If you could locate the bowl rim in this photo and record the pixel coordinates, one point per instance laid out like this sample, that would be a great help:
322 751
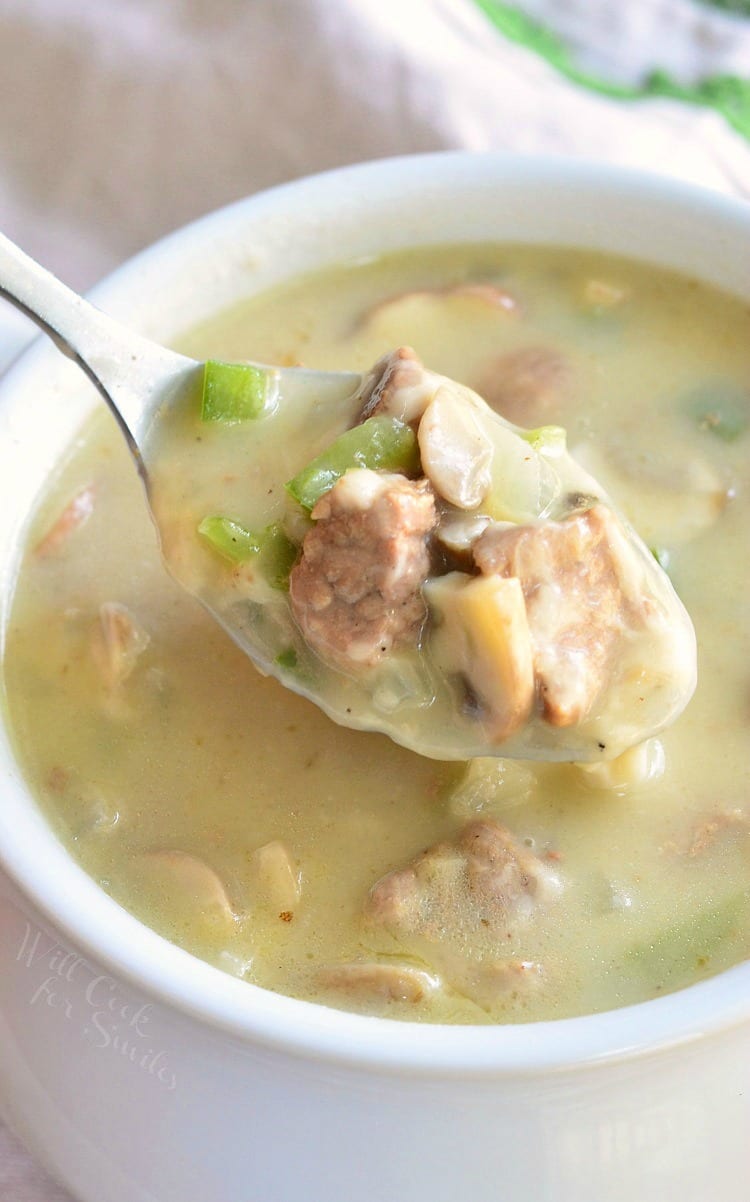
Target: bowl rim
65 896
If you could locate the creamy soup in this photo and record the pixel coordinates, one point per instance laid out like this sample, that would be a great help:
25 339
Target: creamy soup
326 863
433 572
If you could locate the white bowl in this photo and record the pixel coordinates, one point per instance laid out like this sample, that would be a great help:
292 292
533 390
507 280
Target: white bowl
140 1074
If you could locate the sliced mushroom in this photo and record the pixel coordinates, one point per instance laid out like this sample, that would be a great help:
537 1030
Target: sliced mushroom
489 981
373 981
275 880
669 501
427 308
456 452
477 314
459 531
482 633
118 640
193 880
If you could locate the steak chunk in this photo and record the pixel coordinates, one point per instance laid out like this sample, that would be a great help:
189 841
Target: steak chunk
398 386
484 882
462 905
356 591
528 386
582 582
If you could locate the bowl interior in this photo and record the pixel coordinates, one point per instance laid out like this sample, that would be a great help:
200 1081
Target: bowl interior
343 215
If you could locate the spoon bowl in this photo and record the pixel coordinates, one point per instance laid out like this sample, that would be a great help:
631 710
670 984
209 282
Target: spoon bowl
137 378
427 702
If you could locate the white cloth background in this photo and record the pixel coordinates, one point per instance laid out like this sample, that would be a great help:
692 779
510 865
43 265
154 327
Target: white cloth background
121 119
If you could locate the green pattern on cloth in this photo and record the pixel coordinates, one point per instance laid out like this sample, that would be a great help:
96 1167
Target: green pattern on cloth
741 7
727 94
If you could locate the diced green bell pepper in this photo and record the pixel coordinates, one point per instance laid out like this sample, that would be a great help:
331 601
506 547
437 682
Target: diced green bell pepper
287 659
545 438
379 443
275 553
686 943
229 538
233 392
722 409
278 556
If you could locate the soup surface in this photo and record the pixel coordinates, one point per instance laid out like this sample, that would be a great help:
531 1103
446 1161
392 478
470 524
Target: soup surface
434 572
239 821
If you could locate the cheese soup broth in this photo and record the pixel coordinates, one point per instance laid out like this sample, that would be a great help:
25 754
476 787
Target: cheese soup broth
238 821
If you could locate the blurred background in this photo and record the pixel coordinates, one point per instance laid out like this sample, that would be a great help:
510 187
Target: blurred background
122 119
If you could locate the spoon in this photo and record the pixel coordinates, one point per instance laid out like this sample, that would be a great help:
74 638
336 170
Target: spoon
426 702
137 378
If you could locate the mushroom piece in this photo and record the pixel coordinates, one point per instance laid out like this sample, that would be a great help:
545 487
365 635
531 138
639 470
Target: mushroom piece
601 295
117 642
422 315
275 881
489 982
669 500
481 633
373 981
193 880
456 452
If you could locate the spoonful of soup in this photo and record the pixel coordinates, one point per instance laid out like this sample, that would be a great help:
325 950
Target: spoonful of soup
390 547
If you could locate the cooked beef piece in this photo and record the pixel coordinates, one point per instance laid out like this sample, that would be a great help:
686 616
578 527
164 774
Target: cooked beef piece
462 904
483 881
398 386
527 386
489 980
356 590
582 582
721 826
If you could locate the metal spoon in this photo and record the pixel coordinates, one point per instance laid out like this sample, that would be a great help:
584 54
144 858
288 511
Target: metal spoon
137 378
407 696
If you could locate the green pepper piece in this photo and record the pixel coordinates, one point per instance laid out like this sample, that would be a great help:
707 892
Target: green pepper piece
687 943
380 442
722 409
545 438
229 538
233 392
663 557
287 659
275 553
278 555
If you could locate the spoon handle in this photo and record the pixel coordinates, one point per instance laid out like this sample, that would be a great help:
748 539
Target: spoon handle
133 374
